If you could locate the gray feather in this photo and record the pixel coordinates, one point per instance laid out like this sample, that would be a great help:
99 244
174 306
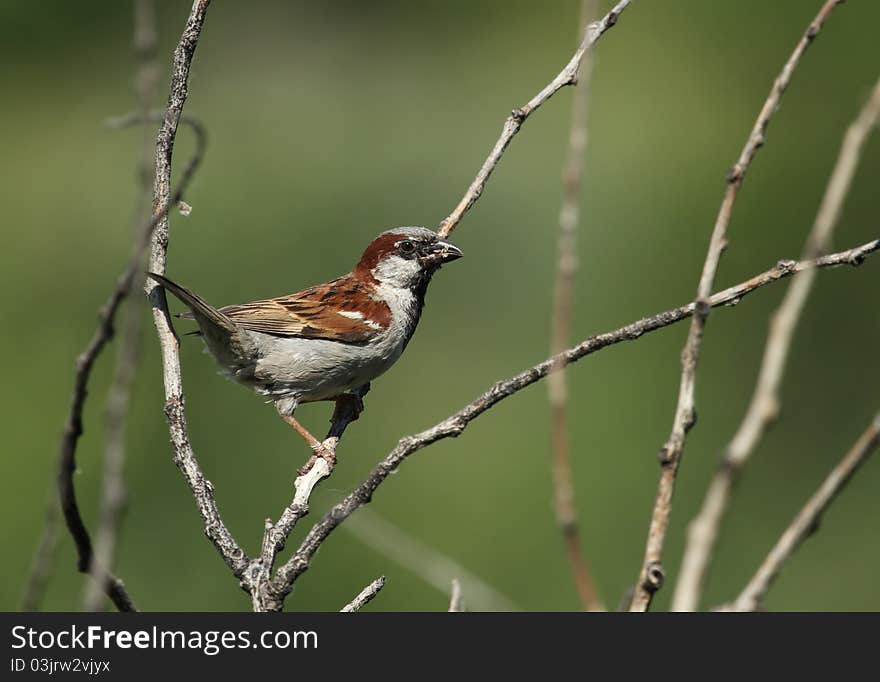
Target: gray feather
204 314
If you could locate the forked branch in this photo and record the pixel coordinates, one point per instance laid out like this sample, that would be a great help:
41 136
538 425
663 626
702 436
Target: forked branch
454 425
651 575
184 457
73 429
765 404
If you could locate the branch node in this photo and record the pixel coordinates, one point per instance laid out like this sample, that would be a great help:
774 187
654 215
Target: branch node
785 265
568 527
299 563
81 363
728 467
735 174
610 19
690 419
654 577
663 455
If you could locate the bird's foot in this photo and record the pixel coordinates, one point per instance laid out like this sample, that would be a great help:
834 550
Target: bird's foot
320 451
325 450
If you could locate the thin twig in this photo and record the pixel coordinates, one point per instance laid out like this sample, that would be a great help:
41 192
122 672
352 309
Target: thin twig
254 575
275 535
41 564
807 520
428 563
365 597
264 596
184 457
456 599
454 425
764 407
557 389
568 76
104 333
85 361
113 492
651 574
73 428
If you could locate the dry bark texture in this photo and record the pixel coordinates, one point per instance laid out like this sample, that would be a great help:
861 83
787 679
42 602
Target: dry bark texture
269 586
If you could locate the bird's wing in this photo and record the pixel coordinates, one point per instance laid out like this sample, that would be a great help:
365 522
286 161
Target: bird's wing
340 310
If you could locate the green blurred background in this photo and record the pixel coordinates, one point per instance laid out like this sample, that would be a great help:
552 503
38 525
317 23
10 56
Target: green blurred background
330 122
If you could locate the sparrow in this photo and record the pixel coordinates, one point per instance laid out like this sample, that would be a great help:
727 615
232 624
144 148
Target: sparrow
329 341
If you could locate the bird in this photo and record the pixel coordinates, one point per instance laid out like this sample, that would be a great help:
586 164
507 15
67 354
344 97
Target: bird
329 341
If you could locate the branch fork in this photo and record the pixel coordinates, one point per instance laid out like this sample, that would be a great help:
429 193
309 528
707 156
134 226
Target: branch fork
685 411
255 575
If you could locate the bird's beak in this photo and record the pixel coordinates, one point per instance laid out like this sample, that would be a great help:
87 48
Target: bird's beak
441 252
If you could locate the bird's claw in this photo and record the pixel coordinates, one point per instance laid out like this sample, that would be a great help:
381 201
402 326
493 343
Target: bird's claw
322 452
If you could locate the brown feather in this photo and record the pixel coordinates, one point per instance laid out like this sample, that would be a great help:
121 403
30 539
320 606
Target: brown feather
378 249
315 313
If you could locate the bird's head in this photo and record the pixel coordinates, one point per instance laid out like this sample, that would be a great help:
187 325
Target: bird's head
405 257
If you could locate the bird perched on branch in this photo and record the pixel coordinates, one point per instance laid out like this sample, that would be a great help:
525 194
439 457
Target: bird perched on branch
329 341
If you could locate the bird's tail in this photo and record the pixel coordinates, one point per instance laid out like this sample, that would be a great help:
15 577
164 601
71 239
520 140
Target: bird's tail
202 312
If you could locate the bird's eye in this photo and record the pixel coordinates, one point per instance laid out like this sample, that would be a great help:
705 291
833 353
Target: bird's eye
407 247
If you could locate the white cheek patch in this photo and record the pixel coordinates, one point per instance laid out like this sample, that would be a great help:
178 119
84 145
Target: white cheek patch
397 272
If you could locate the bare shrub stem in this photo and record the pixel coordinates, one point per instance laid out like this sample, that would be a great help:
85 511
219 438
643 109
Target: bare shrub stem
765 404
651 575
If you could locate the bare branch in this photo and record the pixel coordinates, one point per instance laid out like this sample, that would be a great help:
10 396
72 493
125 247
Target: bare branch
113 492
184 457
807 520
41 564
431 565
456 600
651 574
557 389
73 428
254 574
764 407
275 535
568 76
264 596
103 334
365 597
454 425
